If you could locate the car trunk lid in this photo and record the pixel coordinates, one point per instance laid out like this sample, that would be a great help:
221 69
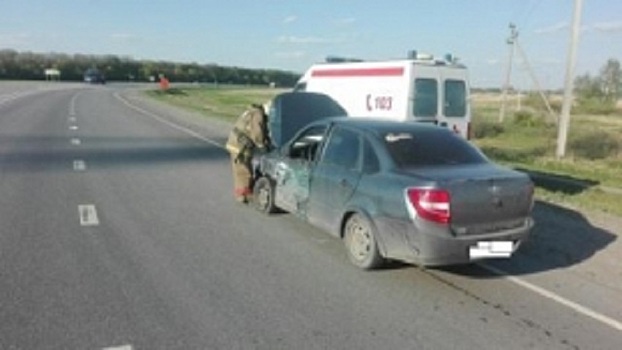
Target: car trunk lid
484 198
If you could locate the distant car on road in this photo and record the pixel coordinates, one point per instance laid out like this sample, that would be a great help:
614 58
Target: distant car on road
395 190
94 76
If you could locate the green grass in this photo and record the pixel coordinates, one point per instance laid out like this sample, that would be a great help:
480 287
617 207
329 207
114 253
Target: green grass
526 142
591 199
223 102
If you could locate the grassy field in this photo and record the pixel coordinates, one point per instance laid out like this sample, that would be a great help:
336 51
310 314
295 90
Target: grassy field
223 102
525 140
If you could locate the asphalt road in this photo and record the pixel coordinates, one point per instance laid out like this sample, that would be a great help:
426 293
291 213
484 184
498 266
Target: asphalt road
118 231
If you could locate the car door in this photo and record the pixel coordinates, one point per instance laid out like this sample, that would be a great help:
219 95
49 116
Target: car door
291 173
334 177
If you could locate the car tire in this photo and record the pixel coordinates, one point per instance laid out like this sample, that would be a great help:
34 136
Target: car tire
263 196
360 241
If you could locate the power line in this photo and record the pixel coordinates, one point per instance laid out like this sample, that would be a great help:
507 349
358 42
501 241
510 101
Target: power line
535 81
527 14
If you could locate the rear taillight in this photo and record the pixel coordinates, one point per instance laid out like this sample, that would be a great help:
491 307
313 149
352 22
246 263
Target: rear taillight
430 204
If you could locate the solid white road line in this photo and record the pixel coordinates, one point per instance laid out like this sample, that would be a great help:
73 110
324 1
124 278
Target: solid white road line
164 121
88 215
79 165
123 347
615 324
76 141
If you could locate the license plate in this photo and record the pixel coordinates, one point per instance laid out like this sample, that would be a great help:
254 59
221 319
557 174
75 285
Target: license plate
491 249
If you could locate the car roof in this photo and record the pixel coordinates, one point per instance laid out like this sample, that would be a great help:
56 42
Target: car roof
383 126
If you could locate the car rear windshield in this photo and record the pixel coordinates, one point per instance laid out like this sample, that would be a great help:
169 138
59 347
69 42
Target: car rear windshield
433 147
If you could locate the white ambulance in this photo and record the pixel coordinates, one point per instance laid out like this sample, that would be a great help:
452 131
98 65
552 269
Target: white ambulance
420 88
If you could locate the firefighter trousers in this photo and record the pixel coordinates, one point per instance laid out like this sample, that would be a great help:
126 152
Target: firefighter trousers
242 179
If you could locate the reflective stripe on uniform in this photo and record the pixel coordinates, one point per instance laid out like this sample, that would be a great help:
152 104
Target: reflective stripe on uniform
232 149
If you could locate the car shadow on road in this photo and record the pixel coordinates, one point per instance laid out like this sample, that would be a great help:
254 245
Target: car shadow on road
560 238
39 154
559 183
164 152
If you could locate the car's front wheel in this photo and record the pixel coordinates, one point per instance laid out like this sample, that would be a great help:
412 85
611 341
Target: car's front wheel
263 196
361 244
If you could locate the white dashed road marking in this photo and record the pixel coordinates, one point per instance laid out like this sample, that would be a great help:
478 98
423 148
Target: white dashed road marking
88 215
76 141
72 104
72 119
73 127
79 165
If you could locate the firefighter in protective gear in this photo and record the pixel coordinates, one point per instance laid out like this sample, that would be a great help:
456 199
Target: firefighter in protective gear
249 135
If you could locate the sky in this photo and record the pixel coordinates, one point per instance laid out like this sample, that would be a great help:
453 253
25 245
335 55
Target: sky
294 34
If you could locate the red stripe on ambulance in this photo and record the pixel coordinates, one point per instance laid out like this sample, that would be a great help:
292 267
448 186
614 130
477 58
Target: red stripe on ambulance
359 72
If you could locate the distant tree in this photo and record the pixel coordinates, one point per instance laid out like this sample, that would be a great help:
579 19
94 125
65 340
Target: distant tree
599 94
7 63
209 72
588 87
28 65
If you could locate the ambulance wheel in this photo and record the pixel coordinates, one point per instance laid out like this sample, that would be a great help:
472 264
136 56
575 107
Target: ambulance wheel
361 245
263 196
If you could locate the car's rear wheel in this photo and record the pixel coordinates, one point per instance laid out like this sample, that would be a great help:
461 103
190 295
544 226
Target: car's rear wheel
263 196
361 244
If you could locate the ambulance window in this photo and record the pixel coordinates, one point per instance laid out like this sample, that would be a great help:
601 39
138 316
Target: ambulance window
426 98
455 98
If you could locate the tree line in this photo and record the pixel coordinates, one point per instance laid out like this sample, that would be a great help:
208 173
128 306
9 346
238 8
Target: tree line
16 65
600 93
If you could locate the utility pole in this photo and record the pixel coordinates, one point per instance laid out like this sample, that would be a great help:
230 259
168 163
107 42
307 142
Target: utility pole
568 86
536 82
510 41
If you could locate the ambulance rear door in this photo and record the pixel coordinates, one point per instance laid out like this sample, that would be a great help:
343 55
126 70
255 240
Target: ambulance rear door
455 110
424 93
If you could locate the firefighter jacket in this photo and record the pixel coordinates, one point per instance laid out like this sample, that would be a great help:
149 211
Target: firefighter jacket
248 134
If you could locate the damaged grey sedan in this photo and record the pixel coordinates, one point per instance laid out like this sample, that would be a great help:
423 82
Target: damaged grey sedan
411 192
